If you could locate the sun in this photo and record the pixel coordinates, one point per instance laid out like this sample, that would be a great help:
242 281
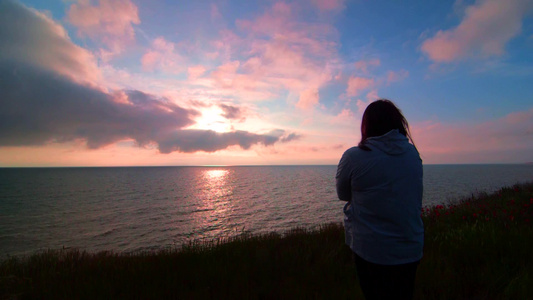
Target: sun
211 119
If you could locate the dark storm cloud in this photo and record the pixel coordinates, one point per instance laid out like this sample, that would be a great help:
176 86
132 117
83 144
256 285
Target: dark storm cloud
48 94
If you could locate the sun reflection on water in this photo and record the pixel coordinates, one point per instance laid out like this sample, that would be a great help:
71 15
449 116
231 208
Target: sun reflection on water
215 175
215 202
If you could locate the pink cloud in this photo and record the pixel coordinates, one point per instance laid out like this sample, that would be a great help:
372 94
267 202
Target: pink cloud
358 84
485 142
363 65
397 76
361 105
225 74
273 21
161 56
227 79
308 99
346 116
485 29
278 53
372 95
109 22
196 71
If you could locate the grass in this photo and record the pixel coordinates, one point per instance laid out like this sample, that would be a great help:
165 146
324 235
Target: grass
478 248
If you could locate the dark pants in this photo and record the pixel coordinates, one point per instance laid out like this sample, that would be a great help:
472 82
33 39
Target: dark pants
385 281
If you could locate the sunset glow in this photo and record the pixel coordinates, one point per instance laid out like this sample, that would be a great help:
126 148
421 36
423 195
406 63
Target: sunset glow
133 82
211 119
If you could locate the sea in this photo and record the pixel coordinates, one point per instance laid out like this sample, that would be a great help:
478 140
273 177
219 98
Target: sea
132 209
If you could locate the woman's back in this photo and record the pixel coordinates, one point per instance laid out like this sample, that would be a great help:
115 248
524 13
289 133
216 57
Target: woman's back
381 180
382 219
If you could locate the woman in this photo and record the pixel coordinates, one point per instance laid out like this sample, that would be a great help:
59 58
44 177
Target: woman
381 179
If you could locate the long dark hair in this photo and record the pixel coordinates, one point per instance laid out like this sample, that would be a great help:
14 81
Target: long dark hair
380 117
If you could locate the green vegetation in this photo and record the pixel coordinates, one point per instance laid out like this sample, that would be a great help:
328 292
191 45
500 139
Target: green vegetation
479 248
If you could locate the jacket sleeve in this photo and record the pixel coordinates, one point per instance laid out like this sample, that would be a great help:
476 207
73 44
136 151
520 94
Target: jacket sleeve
343 179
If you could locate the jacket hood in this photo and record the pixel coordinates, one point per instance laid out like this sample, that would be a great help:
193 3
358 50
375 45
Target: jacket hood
392 142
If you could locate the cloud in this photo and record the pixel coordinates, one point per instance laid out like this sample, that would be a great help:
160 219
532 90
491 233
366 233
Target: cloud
109 22
195 71
38 107
232 112
361 105
358 84
44 101
372 95
290 137
346 116
277 53
397 76
363 65
484 142
194 140
485 29
308 99
225 74
31 37
162 56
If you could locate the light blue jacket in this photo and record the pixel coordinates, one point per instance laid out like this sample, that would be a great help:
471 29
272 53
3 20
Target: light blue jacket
383 188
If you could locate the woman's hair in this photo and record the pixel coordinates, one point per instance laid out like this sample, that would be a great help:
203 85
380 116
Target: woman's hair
380 117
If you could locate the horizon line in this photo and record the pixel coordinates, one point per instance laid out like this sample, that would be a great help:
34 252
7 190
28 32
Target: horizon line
230 166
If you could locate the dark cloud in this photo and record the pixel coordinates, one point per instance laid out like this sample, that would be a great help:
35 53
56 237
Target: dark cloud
211 141
285 137
290 137
38 106
47 95
30 37
231 112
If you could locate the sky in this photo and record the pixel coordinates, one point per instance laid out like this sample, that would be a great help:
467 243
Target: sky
161 82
